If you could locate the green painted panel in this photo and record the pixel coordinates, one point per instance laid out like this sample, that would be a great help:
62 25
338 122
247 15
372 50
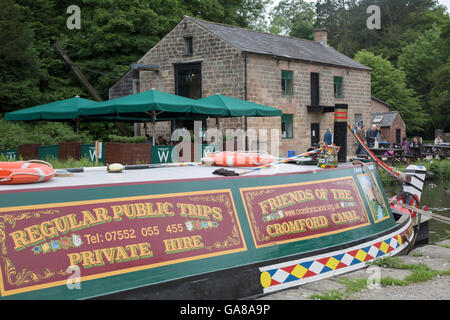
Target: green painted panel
252 255
10 155
48 152
161 154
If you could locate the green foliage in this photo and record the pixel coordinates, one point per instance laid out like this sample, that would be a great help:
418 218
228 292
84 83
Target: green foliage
389 84
70 163
420 58
122 139
427 68
293 18
420 272
414 36
13 134
439 96
441 169
113 35
329 295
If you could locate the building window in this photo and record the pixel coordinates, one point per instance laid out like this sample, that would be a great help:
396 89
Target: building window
287 82
188 80
188 44
358 119
287 126
338 88
315 90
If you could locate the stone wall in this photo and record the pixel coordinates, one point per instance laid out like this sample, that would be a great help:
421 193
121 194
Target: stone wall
223 71
124 86
264 86
222 67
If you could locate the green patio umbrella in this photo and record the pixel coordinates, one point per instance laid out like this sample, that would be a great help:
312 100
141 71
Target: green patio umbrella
59 110
153 103
241 108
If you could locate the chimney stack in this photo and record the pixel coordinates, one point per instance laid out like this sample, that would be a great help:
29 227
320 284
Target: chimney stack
321 35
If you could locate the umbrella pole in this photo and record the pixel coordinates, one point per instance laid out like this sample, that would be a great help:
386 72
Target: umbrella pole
153 127
77 123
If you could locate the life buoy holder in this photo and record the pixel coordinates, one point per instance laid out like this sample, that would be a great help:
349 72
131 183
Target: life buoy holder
407 199
241 159
21 172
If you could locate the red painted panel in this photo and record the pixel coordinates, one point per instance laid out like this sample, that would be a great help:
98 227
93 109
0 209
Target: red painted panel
113 236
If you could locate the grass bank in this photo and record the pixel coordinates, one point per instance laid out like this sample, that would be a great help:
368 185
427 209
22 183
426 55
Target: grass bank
419 273
69 163
436 170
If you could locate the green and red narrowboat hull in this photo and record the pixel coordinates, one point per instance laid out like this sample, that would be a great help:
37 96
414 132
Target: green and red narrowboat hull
182 233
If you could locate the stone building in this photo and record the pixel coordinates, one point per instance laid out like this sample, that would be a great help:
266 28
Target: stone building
303 78
393 129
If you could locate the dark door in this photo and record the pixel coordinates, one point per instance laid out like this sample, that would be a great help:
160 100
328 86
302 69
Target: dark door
188 80
315 134
398 133
315 100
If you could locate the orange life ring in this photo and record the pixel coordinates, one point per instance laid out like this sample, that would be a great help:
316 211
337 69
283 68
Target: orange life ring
241 159
19 172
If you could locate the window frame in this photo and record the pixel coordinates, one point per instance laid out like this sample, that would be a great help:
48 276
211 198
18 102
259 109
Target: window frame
188 46
287 119
287 81
338 87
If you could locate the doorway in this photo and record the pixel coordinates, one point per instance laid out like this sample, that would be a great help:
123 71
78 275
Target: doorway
315 134
188 80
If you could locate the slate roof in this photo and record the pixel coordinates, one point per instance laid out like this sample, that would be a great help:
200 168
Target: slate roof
388 118
279 46
383 102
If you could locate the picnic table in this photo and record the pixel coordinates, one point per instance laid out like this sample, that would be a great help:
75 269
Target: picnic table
384 154
441 150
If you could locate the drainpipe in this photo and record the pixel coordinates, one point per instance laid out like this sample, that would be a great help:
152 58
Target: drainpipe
245 97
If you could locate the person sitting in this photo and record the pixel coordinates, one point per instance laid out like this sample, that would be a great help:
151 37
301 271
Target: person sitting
416 147
405 145
416 142
162 141
438 140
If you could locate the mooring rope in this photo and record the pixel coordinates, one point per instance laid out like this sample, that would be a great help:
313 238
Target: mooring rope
428 214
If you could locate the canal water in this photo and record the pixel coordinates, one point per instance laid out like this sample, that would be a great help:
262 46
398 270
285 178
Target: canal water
435 195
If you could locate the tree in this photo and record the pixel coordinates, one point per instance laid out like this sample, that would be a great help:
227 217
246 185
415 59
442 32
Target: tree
18 59
293 18
439 97
402 21
419 59
389 84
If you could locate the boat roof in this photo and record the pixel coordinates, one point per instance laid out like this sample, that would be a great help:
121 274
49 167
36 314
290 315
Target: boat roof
99 177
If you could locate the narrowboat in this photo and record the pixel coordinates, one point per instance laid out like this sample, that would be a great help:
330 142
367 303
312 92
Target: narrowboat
181 232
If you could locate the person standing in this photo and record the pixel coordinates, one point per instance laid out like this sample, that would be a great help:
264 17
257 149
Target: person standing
328 138
371 136
360 133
